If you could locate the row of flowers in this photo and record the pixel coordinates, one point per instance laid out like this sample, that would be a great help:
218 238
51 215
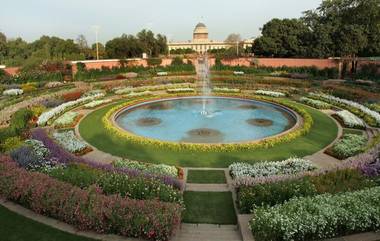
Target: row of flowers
350 120
270 93
66 120
315 103
354 162
143 93
13 92
69 141
225 90
180 90
127 90
372 117
46 116
96 103
265 143
63 157
266 169
88 209
270 194
160 169
349 145
336 215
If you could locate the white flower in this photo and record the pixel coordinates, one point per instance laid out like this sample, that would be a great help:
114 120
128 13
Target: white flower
269 93
69 141
12 92
350 119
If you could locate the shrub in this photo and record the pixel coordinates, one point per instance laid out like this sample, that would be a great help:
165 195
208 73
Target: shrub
319 217
265 169
138 187
269 93
11 143
51 103
349 145
66 120
28 87
18 124
350 120
315 103
13 92
70 142
160 169
88 209
280 192
62 156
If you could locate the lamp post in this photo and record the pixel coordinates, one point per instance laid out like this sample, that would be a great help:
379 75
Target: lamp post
96 29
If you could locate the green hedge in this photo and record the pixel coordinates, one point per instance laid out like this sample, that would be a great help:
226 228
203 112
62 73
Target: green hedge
280 192
309 72
320 217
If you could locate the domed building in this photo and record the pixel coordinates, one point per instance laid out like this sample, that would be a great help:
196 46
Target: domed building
201 42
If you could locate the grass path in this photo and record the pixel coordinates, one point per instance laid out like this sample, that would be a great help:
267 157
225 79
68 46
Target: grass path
323 132
14 227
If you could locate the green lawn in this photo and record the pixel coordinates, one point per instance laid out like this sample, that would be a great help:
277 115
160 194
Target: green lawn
322 133
206 176
209 207
14 227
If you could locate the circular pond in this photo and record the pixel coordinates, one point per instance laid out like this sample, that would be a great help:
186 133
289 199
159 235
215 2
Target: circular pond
206 120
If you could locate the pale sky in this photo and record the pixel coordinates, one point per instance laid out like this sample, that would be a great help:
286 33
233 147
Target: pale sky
176 19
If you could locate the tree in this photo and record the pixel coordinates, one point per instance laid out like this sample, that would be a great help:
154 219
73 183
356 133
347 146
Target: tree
101 49
3 46
283 38
233 38
82 43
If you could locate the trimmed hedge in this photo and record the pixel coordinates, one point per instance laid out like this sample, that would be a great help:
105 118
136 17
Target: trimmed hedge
280 192
87 209
319 217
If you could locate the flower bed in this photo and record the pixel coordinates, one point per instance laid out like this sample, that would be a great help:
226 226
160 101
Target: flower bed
144 93
370 116
161 169
270 93
225 90
138 187
354 162
265 169
127 90
66 120
180 90
96 103
71 143
315 103
13 92
350 120
319 217
349 145
88 209
265 143
279 192
46 116
62 156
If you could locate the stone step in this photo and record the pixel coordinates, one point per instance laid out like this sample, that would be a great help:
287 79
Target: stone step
207 232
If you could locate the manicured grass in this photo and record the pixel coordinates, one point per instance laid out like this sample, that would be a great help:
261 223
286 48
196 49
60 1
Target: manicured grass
323 132
14 227
209 207
206 176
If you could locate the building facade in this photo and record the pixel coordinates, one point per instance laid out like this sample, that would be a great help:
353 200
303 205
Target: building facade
201 42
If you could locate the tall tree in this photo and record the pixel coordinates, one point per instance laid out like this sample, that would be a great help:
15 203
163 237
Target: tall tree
233 38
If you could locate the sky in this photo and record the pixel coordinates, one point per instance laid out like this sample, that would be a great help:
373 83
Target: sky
31 19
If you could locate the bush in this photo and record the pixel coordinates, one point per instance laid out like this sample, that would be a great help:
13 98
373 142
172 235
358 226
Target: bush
280 192
18 124
139 187
319 217
28 87
10 144
160 169
88 209
349 145
51 103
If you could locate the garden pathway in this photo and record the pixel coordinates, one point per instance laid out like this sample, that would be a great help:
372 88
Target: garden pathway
208 232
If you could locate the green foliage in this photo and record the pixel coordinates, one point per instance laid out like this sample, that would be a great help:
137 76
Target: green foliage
349 145
10 144
279 192
320 217
116 183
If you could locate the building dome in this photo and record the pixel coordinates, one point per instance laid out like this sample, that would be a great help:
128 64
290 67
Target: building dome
200 32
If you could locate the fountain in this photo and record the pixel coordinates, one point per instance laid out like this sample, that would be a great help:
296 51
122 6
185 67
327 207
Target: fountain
204 76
